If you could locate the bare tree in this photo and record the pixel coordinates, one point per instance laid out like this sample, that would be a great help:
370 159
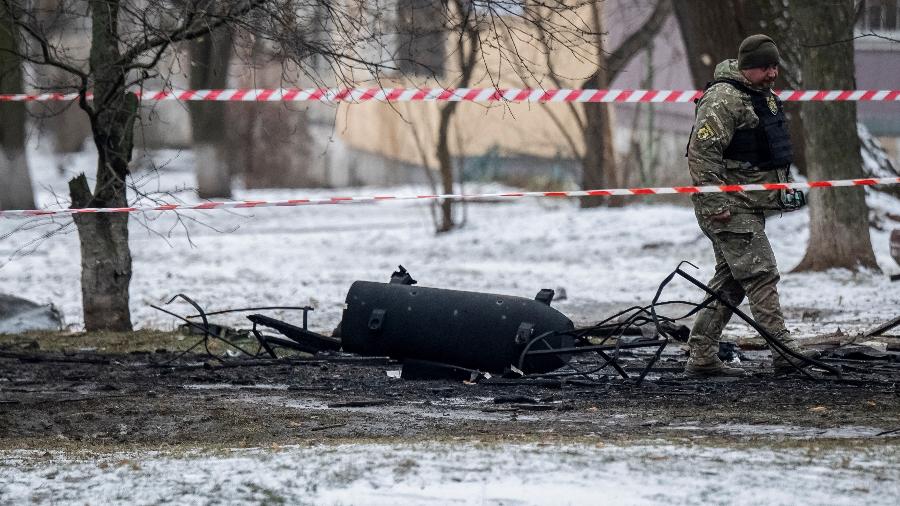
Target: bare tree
128 40
466 48
839 225
477 39
597 157
15 181
323 41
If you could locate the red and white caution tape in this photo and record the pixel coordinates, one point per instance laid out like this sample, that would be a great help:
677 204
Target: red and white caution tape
358 95
381 198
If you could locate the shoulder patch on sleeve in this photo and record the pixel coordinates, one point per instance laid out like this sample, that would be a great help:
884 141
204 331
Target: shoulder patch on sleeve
705 132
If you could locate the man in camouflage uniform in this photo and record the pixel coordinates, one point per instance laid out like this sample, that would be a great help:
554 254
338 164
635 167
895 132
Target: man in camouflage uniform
740 137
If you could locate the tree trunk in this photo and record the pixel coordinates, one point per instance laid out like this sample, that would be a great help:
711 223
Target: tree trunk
274 143
210 57
445 164
468 58
105 263
598 168
711 34
15 181
839 227
105 256
271 144
712 31
759 17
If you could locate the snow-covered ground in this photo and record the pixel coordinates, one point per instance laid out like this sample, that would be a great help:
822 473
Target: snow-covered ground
469 473
605 259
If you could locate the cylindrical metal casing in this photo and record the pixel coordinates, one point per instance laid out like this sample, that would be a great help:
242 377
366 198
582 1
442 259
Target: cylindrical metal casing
476 330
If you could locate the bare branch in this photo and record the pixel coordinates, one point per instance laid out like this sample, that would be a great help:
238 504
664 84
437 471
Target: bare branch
191 28
860 36
637 40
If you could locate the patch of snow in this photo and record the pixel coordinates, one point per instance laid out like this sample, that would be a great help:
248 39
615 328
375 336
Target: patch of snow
765 430
230 386
466 473
606 259
876 162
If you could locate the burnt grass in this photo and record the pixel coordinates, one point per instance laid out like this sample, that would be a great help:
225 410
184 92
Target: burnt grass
113 397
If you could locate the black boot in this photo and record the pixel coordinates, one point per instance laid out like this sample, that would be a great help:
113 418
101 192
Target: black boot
782 363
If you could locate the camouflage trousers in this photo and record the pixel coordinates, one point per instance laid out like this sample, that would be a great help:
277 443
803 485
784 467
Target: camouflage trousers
745 267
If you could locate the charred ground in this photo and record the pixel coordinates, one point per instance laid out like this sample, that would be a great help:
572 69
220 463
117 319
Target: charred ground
122 393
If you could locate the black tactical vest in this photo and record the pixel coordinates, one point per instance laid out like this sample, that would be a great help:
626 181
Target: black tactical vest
768 146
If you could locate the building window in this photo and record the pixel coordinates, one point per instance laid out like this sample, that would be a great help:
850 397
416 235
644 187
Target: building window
879 16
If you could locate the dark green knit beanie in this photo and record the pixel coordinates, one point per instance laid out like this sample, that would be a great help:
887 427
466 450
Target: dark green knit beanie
757 51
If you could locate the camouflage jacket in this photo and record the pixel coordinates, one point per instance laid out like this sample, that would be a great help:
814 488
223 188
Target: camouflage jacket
722 110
